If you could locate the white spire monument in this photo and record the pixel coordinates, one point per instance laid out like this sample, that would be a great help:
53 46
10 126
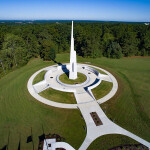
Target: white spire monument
73 59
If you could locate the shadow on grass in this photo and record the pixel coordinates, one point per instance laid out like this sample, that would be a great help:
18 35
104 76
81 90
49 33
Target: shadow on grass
4 148
42 137
30 139
19 145
58 63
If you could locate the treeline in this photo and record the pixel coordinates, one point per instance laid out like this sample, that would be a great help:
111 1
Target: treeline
19 43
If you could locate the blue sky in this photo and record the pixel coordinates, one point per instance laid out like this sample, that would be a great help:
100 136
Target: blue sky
110 10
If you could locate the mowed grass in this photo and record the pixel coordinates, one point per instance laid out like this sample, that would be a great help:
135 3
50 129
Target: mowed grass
110 141
58 96
65 78
130 108
39 77
54 95
20 112
102 89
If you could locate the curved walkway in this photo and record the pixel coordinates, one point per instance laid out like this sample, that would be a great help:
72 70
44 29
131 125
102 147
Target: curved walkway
54 71
61 145
107 127
86 102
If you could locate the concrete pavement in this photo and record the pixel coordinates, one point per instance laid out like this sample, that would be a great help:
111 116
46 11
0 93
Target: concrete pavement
86 101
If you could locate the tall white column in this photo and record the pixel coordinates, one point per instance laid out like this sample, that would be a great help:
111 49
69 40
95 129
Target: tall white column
73 59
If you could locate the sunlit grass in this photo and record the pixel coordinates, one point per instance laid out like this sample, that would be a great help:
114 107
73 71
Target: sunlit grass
58 96
65 79
39 77
102 89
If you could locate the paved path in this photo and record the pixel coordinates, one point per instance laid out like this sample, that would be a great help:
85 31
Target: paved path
62 145
85 101
54 71
55 145
108 126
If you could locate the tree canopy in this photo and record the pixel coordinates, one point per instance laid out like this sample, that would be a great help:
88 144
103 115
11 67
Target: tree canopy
20 42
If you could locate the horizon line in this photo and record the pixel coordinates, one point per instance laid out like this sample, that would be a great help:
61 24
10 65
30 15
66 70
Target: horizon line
70 20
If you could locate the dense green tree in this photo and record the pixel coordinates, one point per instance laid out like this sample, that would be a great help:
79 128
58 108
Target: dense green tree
114 51
129 44
146 43
49 54
32 43
20 42
47 46
14 51
52 54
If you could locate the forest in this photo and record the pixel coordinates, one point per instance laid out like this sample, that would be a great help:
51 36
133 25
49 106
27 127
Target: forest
21 42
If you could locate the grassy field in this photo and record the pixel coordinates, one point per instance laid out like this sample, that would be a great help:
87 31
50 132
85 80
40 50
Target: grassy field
102 89
19 112
54 95
80 79
39 77
110 141
130 108
58 96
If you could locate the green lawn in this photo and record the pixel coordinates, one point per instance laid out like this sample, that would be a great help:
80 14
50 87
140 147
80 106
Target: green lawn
39 77
102 89
80 78
109 141
19 112
58 96
130 108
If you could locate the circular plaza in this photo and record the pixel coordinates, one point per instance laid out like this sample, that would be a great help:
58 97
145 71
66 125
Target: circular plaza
92 78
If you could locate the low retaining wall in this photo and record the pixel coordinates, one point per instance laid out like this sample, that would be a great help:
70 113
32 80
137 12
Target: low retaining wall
76 85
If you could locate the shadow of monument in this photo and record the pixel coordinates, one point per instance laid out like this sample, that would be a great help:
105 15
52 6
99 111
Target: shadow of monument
58 63
64 68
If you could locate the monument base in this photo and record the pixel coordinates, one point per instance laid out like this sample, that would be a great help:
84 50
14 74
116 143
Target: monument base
72 75
73 71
